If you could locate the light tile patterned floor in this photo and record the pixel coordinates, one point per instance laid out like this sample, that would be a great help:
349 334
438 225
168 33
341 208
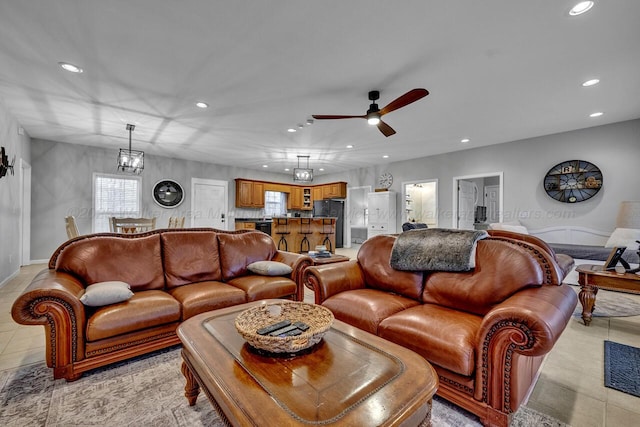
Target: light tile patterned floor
570 387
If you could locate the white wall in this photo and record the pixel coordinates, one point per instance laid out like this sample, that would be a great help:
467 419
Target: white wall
614 148
10 193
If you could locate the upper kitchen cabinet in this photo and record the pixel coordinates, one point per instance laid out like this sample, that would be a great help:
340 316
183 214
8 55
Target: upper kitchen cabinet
249 194
294 200
335 190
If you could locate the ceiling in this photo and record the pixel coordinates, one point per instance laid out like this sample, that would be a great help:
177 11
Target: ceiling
497 71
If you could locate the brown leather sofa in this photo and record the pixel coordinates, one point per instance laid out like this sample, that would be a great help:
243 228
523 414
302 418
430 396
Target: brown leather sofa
174 274
486 331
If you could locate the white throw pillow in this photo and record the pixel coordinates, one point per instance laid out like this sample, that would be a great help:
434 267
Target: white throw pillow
105 293
623 237
269 268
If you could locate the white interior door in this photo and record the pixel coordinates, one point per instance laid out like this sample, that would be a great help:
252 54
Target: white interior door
209 201
467 192
492 202
25 228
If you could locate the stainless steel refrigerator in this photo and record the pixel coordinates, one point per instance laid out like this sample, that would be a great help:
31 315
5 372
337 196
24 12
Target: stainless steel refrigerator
332 208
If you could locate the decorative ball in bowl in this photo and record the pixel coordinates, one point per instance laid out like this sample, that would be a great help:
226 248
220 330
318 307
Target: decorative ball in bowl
317 318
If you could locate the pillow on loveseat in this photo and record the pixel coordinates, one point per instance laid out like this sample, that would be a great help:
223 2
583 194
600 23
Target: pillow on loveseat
105 293
269 268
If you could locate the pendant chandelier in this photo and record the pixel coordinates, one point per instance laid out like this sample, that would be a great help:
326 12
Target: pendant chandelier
130 161
303 174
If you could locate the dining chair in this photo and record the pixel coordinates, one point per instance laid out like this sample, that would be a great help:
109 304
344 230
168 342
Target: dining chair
132 225
72 228
176 222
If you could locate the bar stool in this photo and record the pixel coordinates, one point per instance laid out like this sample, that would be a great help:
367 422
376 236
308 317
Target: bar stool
327 230
282 228
305 230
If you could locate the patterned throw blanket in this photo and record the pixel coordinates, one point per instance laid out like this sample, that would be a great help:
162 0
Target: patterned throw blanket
436 249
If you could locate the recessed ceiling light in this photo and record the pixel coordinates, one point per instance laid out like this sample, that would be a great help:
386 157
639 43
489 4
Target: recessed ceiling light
265 166
292 130
349 146
596 114
287 169
581 8
465 140
591 82
201 104
386 156
309 122
321 169
70 67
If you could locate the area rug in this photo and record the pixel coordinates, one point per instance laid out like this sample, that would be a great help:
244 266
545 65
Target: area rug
610 304
622 367
149 391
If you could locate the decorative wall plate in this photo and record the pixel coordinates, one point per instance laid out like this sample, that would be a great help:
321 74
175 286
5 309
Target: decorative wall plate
168 193
573 181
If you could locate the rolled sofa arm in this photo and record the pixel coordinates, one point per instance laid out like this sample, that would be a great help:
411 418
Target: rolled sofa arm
53 300
330 279
528 323
298 263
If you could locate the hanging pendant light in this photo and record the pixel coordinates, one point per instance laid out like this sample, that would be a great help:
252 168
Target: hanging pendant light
130 161
303 174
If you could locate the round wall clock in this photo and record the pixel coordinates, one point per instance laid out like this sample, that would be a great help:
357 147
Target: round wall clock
168 193
573 181
385 180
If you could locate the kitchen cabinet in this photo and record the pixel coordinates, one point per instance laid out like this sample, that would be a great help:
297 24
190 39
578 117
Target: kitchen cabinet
249 194
335 190
294 201
241 225
316 193
307 202
382 213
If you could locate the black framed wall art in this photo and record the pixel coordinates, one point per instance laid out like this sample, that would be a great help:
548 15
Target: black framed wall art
573 181
168 193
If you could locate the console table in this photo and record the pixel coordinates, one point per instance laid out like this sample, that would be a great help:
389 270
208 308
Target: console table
592 277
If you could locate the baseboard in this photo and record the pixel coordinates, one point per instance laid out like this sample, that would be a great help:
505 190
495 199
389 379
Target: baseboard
38 261
11 276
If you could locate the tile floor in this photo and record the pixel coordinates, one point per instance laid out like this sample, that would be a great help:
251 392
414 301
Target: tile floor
570 387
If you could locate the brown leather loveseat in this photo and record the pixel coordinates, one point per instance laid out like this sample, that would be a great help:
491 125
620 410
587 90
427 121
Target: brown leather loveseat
485 331
174 275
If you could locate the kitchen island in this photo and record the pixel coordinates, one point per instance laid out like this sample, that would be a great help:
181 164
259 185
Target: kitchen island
301 234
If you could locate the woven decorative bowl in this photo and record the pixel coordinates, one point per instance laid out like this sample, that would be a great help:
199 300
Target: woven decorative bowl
317 317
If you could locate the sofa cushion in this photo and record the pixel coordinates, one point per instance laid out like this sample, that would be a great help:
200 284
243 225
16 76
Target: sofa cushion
237 251
190 257
443 336
269 268
502 269
199 297
264 287
106 258
105 293
143 310
374 256
366 308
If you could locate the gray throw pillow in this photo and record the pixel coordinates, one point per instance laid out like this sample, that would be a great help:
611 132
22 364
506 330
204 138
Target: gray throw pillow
269 268
105 293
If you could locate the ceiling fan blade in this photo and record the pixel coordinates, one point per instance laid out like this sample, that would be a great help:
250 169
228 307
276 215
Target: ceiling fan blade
386 129
406 99
333 117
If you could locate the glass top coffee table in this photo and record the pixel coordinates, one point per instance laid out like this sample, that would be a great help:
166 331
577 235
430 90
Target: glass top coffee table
350 378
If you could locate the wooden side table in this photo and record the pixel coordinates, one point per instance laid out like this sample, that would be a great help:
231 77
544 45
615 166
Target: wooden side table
592 277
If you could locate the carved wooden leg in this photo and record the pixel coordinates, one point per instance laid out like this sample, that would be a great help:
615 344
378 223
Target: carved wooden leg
192 388
587 297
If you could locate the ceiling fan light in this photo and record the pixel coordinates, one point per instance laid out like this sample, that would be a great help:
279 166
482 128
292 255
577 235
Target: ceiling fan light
373 119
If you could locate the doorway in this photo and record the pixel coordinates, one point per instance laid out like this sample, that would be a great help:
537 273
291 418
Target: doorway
209 200
477 200
356 215
420 202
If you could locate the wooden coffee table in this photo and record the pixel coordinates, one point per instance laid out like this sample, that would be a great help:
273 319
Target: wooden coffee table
591 277
350 378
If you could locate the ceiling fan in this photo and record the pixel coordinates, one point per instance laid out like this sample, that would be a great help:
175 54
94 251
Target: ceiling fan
374 113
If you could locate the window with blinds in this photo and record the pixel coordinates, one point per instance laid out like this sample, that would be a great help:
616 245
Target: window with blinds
114 195
275 203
